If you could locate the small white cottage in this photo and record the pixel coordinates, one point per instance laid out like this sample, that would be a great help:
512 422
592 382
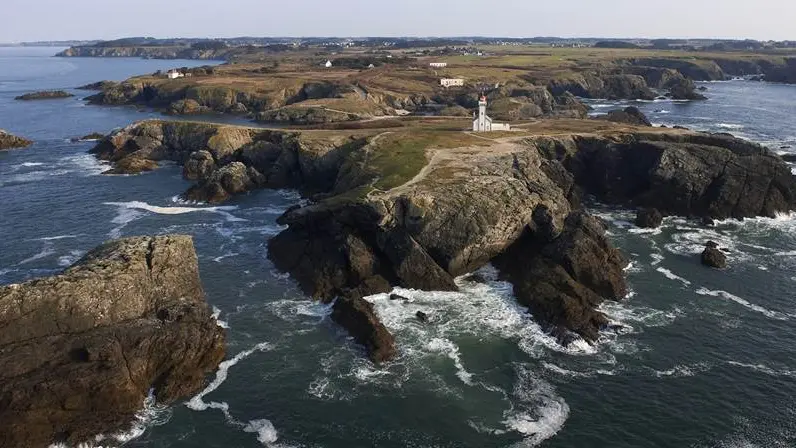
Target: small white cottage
328 64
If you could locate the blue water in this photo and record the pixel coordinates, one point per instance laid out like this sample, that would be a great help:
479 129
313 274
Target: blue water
708 358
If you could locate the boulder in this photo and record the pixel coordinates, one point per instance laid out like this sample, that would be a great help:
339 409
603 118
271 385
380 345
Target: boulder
10 141
44 95
421 316
187 107
629 115
358 317
684 89
89 137
200 165
221 184
82 350
649 218
132 165
713 257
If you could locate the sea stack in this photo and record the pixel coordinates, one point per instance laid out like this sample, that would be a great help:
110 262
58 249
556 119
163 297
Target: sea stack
82 350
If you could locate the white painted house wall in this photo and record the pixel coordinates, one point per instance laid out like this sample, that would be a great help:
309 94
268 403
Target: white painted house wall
438 64
451 82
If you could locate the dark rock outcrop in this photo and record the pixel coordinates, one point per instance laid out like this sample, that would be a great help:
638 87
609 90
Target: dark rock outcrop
598 85
132 165
44 95
681 173
649 218
713 257
227 160
788 157
10 141
99 85
629 115
89 137
357 316
81 350
563 281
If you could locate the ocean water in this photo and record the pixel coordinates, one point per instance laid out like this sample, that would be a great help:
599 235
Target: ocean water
705 359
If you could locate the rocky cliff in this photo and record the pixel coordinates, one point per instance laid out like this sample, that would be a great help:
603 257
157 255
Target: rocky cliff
228 160
82 350
10 141
423 209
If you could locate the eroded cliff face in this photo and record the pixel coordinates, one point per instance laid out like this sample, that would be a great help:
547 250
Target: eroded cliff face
229 160
82 350
511 201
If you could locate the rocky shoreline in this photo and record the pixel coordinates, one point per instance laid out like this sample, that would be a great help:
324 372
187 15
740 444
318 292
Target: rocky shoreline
514 202
82 350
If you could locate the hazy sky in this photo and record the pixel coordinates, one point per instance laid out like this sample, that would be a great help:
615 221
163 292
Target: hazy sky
27 20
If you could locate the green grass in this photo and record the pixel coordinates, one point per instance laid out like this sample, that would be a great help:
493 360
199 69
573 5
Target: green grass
399 157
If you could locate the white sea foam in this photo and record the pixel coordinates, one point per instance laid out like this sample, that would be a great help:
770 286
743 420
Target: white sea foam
672 276
762 368
151 414
68 260
743 302
730 126
682 370
539 413
138 205
450 349
217 315
198 404
46 250
656 259
266 433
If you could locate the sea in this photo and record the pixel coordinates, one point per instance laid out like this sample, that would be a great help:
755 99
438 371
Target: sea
704 358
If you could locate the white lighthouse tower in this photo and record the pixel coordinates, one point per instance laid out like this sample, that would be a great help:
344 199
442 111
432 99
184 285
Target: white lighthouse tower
483 123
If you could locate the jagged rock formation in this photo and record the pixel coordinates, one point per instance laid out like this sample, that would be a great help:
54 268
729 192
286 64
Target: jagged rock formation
44 95
357 316
649 218
629 115
228 160
99 85
81 350
679 173
10 141
713 257
596 85
563 278
511 201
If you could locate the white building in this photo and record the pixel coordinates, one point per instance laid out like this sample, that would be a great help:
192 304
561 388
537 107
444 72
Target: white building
328 64
438 64
451 82
174 74
483 123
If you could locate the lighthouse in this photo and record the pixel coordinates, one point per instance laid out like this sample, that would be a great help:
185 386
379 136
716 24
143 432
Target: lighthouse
482 123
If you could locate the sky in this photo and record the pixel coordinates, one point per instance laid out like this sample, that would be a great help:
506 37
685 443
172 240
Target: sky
31 20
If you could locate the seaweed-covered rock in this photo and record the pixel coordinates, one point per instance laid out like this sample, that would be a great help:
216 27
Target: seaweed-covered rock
649 218
713 257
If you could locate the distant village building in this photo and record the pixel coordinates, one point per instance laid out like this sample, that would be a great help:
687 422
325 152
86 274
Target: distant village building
438 64
483 123
371 66
174 74
328 64
451 82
